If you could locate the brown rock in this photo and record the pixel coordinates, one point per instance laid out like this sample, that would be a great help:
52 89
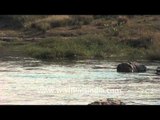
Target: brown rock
108 101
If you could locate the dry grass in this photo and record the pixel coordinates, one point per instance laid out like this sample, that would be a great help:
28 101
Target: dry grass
74 27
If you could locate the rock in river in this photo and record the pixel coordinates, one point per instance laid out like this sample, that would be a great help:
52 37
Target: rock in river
158 71
131 67
108 101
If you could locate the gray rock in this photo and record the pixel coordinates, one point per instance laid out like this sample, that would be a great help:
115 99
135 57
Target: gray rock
158 71
141 68
108 101
131 67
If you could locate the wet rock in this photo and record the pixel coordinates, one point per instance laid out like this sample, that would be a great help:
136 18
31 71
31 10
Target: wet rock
131 67
124 67
99 67
108 101
158 71
141 68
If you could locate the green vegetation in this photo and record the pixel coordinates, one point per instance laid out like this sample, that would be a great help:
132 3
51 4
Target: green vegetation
81 37
85 47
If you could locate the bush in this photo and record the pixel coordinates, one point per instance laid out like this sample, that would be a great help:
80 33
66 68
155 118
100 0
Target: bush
19 21
80 20
153 53
39 52
122 20
42 26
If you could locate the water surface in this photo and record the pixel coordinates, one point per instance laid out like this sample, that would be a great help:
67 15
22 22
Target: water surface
29 81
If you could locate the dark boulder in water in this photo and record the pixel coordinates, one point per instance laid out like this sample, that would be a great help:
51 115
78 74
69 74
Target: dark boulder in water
124 67
141 68
131 67
158 71
108 101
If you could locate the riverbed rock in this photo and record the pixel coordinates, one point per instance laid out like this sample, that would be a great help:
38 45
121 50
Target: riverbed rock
100 67
141 68
131 67
158 71
124 67
108 101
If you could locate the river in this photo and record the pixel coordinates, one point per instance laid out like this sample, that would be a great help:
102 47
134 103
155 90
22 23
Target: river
26 81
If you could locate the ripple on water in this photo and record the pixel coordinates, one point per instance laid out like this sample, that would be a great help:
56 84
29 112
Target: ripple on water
29 81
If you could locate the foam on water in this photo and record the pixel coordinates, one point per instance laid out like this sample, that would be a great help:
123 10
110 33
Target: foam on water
29 81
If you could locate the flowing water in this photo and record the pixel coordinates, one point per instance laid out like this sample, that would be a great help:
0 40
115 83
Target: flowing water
26 81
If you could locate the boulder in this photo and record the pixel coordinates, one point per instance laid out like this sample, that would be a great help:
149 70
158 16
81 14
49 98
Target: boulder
131 67
141 68
124 67
108 101
158 71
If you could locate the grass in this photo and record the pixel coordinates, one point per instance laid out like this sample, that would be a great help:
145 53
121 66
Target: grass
154 52
81 36
84 47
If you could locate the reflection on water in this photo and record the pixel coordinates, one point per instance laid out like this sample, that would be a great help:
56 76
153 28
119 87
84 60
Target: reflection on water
28 81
